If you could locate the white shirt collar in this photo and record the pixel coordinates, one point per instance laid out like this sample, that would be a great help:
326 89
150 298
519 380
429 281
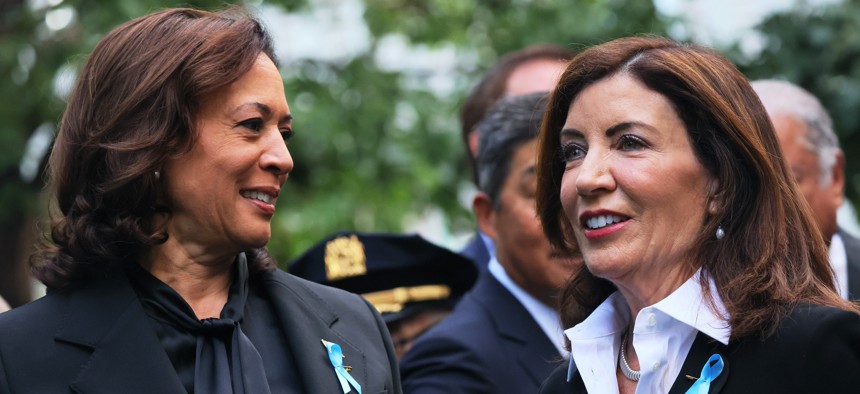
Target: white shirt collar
596 341
839 262
546 317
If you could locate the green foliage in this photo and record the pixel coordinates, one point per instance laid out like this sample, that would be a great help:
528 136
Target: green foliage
372 146
818 49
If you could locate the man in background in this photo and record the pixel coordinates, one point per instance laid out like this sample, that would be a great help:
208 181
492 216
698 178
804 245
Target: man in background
504 336
811 150
533 69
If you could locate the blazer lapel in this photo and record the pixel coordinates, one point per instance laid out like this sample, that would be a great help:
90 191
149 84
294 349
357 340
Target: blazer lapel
526 340
126 357
306 321
702 349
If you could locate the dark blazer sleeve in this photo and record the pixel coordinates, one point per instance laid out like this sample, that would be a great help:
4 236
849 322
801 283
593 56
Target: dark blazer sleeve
830 357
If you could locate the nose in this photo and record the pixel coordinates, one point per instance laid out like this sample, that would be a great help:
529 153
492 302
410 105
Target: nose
594 174
276 157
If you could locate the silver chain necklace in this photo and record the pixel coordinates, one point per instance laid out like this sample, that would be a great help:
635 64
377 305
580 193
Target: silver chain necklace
628 372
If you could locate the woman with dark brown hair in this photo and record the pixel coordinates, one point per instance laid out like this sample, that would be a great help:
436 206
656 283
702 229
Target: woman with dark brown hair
166 169
703 270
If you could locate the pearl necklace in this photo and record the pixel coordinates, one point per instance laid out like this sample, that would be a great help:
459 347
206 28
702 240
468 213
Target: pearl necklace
628 372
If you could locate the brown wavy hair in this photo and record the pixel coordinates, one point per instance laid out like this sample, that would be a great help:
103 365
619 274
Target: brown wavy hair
133 107
772 258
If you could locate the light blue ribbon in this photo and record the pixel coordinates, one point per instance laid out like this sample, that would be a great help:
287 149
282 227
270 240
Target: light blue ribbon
710 371
335 355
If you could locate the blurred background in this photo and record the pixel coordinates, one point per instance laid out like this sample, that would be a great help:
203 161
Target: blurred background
375 87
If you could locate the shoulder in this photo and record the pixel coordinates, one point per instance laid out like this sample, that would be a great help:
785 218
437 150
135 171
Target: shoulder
31 322
314 295
817 348
463 353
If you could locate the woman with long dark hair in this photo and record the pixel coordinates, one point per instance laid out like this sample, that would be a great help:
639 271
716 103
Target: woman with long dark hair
703 268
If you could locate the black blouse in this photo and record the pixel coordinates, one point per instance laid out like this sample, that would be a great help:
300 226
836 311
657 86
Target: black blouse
243 351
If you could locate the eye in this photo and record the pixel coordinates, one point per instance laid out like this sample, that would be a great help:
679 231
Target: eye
255 124
630 143
571 151
287 133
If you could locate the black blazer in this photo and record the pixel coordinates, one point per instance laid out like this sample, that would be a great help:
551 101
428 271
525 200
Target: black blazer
815 350
488 344
97 339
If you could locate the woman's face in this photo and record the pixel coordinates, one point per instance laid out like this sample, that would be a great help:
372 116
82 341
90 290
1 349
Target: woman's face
222 193
633 189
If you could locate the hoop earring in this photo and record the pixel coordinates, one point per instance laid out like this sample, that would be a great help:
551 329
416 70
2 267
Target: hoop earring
720 232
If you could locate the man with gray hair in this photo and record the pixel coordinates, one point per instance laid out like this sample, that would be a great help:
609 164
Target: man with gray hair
812 152
504 336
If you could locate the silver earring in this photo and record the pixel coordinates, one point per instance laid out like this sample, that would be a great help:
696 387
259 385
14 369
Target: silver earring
720 232
157 175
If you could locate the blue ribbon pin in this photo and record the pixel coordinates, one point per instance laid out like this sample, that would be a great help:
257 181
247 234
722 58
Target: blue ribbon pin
335 355
710 371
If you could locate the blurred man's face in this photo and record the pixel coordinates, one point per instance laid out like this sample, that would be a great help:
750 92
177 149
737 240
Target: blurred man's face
824 198
521 246
539 75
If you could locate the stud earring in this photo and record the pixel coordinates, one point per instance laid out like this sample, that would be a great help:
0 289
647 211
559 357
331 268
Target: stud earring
157 175
720 232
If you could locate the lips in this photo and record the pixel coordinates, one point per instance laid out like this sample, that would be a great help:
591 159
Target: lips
601 221
597 224
262 197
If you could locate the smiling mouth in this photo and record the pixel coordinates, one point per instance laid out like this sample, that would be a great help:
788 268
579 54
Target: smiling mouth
266 198
598 222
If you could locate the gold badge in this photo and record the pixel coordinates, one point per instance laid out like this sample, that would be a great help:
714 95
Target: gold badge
344 257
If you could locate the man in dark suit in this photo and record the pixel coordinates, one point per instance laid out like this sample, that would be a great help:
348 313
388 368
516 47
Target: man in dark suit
533 69
504 336
99 327
812 151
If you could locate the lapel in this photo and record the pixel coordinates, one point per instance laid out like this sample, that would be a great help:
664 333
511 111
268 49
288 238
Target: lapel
702 349
126 357
523 338
306 319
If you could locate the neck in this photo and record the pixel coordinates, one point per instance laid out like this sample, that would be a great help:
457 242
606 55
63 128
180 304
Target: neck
640 294
202 280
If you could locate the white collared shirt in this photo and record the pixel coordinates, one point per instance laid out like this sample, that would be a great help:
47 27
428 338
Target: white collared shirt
546 317
662 336
839 262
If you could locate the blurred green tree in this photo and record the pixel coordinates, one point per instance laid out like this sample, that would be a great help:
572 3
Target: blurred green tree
819 49
377 147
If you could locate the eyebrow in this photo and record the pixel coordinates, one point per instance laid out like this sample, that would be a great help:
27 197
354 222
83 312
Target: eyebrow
615 129
266 110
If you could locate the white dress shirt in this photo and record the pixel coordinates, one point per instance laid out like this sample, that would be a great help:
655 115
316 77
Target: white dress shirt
839 262
545 316
662 336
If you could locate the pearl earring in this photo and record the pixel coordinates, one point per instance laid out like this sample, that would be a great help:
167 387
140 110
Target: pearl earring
720 232
157 175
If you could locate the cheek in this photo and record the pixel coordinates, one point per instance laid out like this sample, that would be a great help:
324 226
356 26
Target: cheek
568 194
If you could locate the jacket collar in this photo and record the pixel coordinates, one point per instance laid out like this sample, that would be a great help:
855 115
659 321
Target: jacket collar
520 333
307 320
106 317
